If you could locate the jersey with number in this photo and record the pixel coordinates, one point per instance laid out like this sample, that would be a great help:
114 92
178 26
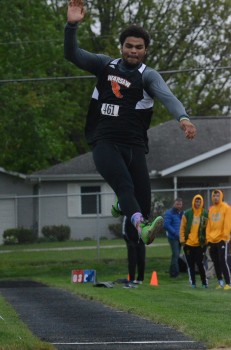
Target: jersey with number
120 110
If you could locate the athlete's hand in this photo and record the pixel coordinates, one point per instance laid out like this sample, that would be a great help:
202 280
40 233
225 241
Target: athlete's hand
75 11
188 128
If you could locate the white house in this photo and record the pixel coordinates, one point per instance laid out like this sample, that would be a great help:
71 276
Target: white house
73 193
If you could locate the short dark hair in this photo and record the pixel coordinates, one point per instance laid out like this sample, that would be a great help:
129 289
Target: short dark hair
136 31
220 192
178 199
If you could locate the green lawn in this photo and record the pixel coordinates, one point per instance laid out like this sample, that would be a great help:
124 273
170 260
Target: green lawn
202 314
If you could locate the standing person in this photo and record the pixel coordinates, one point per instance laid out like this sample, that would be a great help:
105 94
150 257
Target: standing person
218 235
192 237
120 114
136 251
172 220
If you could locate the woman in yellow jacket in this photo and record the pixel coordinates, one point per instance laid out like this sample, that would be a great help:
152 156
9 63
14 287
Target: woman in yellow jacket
218 236
192 237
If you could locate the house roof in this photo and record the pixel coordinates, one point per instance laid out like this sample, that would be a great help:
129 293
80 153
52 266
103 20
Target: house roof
197 159
80 167
12 173
168 148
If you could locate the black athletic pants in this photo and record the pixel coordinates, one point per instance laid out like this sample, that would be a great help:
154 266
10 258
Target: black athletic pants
136 252
195 255
219 253
124 168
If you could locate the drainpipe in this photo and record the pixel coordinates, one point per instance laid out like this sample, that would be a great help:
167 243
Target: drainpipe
39 208
175 187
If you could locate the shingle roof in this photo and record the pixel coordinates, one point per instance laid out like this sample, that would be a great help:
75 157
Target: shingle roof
167 146
82 164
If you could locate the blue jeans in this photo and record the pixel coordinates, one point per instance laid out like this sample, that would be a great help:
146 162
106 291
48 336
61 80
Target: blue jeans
174 265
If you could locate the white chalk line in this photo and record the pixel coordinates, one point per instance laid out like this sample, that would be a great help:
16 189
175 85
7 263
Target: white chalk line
29 250
129 342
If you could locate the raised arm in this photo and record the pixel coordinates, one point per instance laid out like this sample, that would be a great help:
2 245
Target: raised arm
75 11
83 59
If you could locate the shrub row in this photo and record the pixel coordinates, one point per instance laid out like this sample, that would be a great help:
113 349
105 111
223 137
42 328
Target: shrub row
23 235
18 236
56 233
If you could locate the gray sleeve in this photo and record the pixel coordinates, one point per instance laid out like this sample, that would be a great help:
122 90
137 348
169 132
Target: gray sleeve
91 62
155 86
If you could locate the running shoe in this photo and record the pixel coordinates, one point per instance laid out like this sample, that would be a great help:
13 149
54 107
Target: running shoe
227 287
137 282
150 231
220 284
219 287
130 285
115 210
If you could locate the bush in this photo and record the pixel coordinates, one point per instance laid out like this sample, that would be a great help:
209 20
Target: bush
18 236
56 233
116 229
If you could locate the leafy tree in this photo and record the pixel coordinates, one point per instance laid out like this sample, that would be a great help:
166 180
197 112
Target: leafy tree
187 36
42 122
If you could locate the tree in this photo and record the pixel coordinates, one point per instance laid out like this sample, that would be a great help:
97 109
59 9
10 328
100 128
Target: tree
186 37
42 121
38 127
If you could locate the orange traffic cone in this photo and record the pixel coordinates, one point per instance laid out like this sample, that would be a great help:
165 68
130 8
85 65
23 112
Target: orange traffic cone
154 279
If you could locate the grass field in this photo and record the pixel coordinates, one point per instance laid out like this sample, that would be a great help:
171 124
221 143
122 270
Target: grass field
202 314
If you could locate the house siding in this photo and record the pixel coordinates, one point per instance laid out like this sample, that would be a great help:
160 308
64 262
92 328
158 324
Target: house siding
53 210
19 212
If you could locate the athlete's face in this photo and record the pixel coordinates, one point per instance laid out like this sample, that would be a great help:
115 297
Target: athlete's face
216 198
197 203
133 50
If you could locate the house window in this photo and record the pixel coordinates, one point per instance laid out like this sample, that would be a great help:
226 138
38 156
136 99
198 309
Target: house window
90 200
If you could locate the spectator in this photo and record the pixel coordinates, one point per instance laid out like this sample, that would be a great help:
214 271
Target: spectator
172 220
192 237
218 236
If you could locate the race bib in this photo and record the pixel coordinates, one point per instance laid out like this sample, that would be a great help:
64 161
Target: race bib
111 110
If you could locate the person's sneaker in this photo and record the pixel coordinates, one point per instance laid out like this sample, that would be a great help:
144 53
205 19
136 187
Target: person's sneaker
227 287
149 231
115 210
137 282
130 285
219 286
204 286
193 285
